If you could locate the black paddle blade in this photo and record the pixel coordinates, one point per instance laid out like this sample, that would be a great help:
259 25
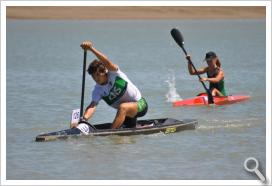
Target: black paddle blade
177 37
210 97
180 41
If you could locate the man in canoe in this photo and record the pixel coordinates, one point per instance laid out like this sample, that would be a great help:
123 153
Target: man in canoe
114 87
215 74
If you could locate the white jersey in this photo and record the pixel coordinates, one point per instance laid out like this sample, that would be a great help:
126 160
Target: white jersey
119 89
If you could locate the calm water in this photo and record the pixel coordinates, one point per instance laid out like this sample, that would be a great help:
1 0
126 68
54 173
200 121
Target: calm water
44 63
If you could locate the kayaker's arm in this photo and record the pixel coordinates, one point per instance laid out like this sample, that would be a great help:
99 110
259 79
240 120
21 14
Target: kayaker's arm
89 111
103 58
87 114
192 70
218 78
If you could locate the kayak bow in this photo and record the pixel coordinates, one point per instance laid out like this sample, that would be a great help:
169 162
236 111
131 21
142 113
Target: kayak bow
202 99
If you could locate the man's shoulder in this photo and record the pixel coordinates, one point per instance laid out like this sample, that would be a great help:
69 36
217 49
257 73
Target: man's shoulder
97 88
118 72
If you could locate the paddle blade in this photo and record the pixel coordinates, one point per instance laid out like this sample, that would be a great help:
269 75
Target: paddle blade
210 97
177 37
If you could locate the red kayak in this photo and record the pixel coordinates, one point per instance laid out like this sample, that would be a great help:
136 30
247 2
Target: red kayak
202 99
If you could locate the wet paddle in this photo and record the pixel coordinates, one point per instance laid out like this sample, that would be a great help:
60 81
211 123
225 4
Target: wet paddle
177 36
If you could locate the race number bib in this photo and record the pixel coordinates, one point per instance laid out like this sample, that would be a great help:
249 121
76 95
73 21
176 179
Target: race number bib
116 92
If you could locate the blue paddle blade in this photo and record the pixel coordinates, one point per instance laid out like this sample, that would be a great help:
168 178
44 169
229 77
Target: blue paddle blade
177 36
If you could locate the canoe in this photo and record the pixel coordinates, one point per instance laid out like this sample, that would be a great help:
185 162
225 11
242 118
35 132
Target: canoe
202 99
151 126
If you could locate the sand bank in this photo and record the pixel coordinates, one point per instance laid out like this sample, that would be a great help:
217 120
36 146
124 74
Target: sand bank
169 12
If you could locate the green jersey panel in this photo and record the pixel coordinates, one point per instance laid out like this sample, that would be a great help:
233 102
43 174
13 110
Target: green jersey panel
117 91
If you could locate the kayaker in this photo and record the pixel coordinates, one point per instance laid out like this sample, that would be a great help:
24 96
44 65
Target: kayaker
215 74
114 87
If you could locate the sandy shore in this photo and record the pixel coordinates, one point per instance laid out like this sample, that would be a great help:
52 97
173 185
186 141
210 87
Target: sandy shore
136 12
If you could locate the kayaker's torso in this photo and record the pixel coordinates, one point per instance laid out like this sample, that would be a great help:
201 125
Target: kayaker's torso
220 85
119 89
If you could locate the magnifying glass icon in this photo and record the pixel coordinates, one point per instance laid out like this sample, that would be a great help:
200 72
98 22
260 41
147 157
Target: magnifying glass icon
247 165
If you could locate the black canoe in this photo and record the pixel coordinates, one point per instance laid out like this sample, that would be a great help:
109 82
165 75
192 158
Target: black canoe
164 125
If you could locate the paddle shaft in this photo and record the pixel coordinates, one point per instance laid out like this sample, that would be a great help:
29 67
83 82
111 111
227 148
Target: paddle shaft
190 61
210 97
177 36
83 83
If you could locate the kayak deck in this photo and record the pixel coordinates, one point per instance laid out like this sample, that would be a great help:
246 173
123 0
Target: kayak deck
151 126
202 99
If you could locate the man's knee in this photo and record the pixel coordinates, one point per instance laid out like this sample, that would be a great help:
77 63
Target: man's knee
122 108
129 109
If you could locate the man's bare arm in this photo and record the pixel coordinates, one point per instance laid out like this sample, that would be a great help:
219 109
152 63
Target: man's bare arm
89 111
103 58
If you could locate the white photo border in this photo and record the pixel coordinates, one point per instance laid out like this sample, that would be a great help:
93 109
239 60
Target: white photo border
4 4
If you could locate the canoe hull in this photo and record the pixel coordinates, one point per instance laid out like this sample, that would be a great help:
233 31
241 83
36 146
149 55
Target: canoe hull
202 100
164 125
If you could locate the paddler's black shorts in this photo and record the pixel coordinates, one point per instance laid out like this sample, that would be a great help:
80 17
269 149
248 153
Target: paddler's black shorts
142 110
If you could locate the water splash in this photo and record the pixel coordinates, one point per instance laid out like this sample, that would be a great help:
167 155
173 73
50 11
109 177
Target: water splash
172 94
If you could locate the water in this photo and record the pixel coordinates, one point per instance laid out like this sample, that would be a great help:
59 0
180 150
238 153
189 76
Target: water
172 94
44 63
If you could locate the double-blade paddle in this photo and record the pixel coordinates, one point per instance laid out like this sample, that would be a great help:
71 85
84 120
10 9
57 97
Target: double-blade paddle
177 36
